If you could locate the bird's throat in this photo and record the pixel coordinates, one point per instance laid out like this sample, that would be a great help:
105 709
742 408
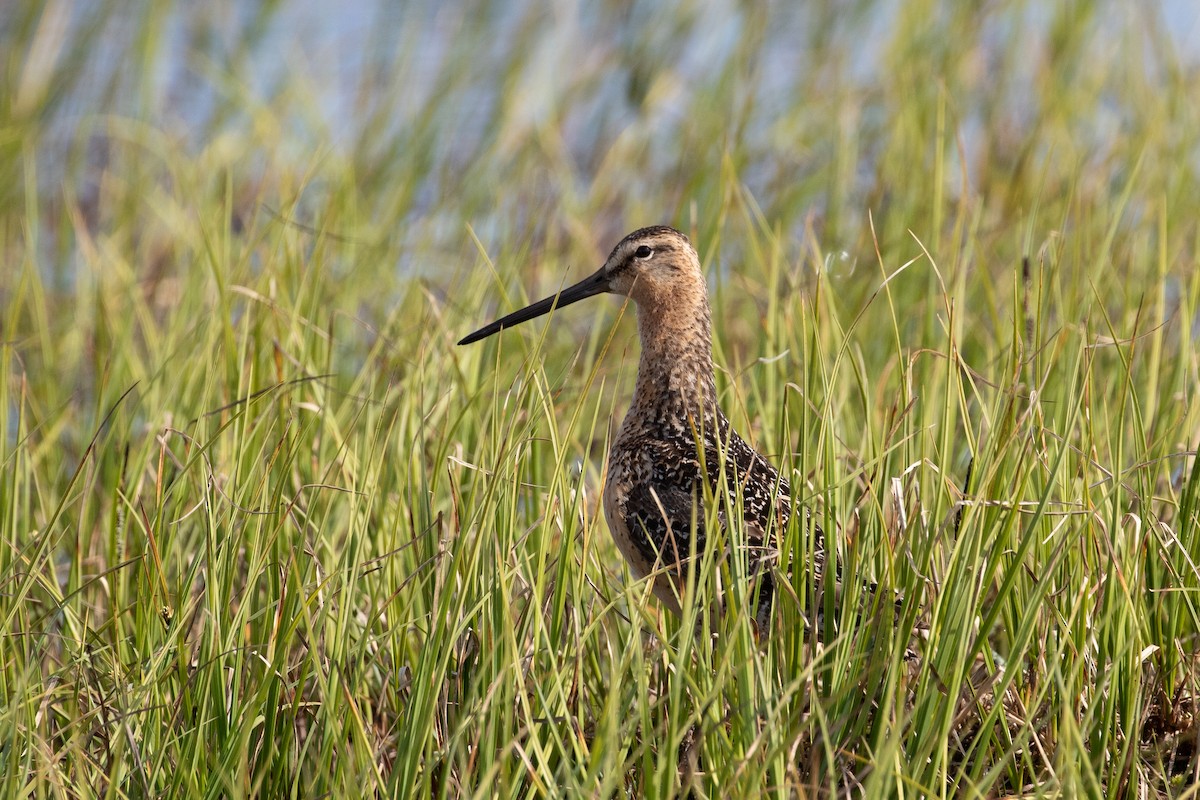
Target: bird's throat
675 371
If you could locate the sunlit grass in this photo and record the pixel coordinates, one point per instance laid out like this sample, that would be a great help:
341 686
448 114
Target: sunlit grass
269 532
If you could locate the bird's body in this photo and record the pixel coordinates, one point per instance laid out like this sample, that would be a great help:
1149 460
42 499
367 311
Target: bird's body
675 441
656 480
657 473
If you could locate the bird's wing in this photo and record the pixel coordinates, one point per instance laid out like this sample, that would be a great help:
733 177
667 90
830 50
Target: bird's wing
664 513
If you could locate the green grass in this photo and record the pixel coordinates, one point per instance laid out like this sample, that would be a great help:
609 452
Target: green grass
268 532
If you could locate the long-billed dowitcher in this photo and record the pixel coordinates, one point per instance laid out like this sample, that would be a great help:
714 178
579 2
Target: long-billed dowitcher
656 471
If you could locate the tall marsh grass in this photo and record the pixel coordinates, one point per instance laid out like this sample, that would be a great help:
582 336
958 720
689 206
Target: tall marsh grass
268 532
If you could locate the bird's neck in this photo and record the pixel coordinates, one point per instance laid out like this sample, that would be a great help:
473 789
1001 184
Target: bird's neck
675 372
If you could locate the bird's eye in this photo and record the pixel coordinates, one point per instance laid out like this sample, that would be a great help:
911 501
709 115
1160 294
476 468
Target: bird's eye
643 252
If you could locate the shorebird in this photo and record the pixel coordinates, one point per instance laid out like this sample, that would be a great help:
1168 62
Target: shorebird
675 438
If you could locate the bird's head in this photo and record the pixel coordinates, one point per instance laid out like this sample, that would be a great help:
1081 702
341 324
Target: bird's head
651 266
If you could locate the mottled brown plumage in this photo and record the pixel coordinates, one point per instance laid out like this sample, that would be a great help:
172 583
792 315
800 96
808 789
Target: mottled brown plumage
656 472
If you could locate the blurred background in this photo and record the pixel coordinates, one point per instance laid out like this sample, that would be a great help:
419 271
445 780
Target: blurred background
521 118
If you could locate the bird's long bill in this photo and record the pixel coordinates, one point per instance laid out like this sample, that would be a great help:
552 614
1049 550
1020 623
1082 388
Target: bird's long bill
595 284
